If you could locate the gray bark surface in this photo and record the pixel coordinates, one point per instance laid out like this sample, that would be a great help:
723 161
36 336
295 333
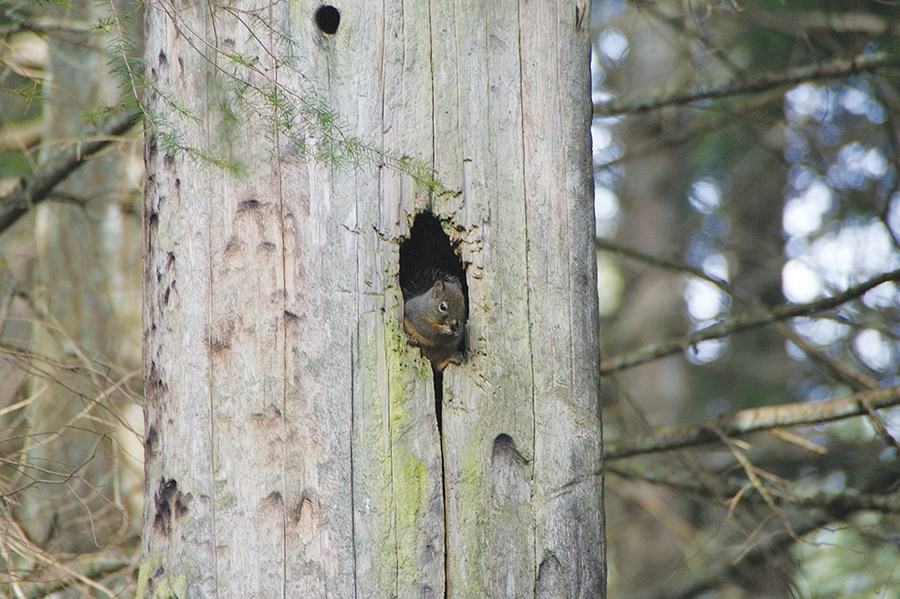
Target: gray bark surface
292 447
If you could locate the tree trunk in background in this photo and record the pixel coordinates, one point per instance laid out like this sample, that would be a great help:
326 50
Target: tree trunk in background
291 443
87 327
653 222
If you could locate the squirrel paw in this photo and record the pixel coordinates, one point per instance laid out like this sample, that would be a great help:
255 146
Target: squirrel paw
454 358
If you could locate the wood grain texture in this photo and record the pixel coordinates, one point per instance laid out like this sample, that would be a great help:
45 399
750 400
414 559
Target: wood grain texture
522 426
567 486
479 151
282 395
179 542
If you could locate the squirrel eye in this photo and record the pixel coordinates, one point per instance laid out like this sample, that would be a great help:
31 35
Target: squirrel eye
443 307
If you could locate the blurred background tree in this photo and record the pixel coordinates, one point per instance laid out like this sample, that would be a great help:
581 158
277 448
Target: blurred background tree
746 172
71 476
746 158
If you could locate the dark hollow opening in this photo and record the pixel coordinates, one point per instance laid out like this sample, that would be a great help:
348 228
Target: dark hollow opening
328 18
427 251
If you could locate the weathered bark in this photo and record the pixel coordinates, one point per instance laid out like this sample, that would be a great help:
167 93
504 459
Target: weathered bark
522 435
292 448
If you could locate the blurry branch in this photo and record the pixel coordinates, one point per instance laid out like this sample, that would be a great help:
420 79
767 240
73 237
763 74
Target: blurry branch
16 541
95 567
838 368
849 500
878 423
811 72
888 97
714 574
21 135
755 420
60 164
673 138
40 366
44 24
753 477
608 246
887 503
682 25
743 322
803 24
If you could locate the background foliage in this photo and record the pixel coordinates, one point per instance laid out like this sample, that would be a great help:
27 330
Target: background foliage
748 163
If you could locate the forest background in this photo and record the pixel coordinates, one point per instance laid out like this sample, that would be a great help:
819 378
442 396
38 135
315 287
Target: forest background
748 245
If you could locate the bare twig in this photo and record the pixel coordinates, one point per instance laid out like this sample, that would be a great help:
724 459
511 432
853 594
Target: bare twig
879 425
803 24
59 165
888 503
608 246
712 576
45 24
750 471
743 322
837 368
755 420
811 72
19 543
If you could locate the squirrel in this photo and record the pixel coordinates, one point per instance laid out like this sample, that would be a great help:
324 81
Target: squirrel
435 318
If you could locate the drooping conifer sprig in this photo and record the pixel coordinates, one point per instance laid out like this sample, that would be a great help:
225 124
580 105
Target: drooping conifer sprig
249 87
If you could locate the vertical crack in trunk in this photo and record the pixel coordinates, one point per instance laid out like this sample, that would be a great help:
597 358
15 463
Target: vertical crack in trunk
438 413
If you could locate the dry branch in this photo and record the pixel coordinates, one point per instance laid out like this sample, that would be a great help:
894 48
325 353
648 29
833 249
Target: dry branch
743 322
712 576
837 368
60 164
810 72
851 500
666 264
755 420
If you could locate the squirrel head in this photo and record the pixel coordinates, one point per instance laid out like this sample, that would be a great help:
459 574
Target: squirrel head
448 305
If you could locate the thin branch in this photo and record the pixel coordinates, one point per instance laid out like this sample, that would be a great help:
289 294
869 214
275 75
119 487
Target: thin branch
45 24
679 267
743 322
95 568
750 471
755 420
804 25
712 576
810 72
60 164
837 368
890 126
848 500
878 423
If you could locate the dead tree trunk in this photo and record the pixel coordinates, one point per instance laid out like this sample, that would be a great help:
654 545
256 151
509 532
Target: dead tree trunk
292 443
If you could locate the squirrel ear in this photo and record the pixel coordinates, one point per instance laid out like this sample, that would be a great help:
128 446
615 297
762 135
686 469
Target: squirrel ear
438 287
